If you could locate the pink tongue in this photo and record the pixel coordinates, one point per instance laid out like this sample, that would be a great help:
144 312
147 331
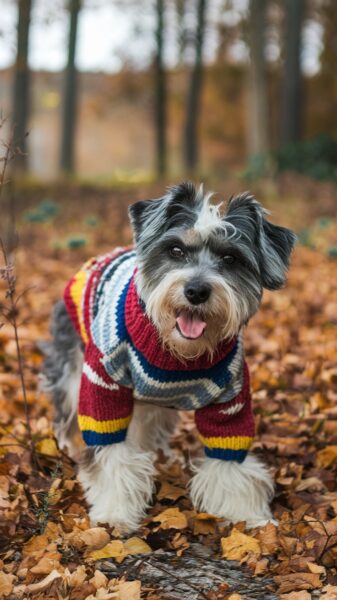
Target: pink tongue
190 324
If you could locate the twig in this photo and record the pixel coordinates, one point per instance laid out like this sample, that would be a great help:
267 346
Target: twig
11 315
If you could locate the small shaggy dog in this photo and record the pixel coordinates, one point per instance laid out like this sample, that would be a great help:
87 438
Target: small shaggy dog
146 331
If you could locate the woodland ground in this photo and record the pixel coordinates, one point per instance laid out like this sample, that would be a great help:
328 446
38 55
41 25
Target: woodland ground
48 549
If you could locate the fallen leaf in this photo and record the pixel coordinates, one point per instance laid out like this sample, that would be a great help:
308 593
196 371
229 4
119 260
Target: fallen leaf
171 492
94 538
327 456
99 579
47 563
238 545
113 549
6 583
261 566
171 518
136 545
34 588
297 581
303 595
314 568
48 447
129 590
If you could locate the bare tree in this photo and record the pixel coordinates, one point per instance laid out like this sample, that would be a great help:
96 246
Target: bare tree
21 100
160 114
191 149
258 104
70 93
291 122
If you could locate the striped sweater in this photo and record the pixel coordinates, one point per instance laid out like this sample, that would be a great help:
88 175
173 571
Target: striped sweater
125 361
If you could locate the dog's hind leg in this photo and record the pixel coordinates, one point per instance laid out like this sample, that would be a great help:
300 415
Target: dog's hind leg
61 375
152 426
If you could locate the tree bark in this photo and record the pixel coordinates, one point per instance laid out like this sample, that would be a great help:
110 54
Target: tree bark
160 114
21 88
258 105
70 94
291 121
191 143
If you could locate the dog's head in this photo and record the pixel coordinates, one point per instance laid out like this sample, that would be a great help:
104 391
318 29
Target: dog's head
201 269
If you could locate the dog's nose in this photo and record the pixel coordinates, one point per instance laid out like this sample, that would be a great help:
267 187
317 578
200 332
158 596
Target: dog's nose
197 292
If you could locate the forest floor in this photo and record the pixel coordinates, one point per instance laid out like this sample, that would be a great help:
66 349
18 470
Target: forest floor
48 549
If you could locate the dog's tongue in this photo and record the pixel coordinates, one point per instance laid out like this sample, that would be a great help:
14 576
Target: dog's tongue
190 324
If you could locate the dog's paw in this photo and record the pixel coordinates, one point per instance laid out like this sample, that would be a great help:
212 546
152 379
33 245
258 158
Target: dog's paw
125 524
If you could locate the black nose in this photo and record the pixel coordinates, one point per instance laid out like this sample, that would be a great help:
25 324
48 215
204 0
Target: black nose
197 292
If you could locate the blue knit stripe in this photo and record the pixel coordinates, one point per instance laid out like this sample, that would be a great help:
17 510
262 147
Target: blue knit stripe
226 454
106 274
92 438
219 373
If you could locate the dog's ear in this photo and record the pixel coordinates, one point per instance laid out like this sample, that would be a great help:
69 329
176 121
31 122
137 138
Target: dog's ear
273 243
141 212
172 209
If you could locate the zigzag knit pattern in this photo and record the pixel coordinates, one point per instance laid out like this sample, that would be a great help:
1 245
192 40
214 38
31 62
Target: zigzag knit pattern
125 361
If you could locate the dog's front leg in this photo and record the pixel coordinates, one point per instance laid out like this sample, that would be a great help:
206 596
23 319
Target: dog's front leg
234 491
118 483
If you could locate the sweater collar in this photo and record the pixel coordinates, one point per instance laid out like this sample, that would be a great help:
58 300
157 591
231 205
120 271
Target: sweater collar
145 338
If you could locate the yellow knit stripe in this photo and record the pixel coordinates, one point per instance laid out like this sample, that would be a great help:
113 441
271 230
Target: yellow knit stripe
231 443
90 424
76 292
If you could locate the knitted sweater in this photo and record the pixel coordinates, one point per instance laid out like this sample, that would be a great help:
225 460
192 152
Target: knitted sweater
124 361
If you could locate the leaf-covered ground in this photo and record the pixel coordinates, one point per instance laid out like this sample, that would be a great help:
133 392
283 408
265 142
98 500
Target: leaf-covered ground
48 549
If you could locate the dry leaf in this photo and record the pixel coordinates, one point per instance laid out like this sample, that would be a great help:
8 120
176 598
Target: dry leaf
327 456
171 518
235 597
47 563
48 447
6 583
329 592
238 545
303 595
261 566
129 590
99 579
267 537
136 545
172 492
297 581
112 550
94 538
314 568
34 588
77 577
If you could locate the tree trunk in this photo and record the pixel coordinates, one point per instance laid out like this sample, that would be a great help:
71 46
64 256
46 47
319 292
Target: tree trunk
258 109
21 101
291 122
160 114
70 94
191 150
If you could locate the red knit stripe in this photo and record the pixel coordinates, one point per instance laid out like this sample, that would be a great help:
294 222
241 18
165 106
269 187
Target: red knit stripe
211 422
141 330
102 404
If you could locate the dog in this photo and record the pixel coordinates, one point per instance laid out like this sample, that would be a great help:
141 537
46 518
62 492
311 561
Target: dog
146 331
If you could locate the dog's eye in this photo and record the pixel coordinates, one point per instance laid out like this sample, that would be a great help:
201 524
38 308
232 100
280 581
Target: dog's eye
228 259
177 252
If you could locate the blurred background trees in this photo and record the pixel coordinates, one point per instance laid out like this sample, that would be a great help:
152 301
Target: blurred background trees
171 87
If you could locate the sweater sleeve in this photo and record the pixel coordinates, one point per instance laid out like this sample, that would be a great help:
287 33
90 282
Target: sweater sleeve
227 429
105 407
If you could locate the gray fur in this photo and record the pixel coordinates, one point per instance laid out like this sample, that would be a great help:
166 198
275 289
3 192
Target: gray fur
62 361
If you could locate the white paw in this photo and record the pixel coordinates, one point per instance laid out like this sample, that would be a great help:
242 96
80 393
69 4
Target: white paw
236 492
